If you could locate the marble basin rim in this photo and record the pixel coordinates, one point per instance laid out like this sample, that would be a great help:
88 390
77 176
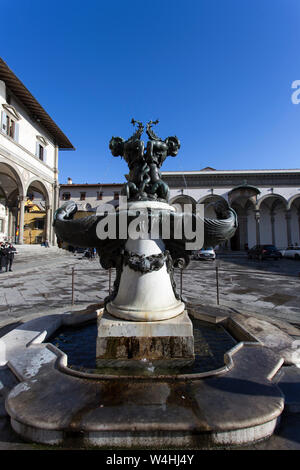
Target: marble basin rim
53 401
243 337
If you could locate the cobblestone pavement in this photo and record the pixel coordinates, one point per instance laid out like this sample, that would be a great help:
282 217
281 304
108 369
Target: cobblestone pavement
41 283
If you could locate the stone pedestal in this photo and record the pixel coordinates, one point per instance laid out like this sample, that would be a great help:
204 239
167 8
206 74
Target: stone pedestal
122 343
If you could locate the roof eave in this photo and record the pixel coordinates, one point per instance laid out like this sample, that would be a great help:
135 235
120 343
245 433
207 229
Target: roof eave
36 111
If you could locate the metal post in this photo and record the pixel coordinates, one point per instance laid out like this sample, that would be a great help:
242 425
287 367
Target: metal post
217 280
181 276
73 269
109 281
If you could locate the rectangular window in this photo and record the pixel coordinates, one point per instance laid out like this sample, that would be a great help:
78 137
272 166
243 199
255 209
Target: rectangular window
82 196
66 196
10 126
41 152
99 195
11 129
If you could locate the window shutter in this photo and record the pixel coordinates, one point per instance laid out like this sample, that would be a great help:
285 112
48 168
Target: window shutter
16 137
45 155
3 121
37 149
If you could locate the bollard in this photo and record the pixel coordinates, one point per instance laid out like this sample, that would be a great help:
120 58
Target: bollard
73 270
217 281
109 281
181 277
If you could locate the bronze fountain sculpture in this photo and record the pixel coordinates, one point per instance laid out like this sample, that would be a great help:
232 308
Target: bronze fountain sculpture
144 184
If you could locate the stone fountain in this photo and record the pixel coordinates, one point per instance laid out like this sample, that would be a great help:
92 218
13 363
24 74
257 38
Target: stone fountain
144 322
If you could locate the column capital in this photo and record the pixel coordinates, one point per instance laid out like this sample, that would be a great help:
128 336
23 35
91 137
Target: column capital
257 214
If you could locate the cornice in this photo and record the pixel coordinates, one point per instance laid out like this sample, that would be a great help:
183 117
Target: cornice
15 159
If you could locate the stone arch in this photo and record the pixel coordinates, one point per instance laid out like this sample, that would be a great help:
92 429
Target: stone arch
12 192
294 215
273 220
12 172
210 198
182 199
37 218
269 196
40 187
292 199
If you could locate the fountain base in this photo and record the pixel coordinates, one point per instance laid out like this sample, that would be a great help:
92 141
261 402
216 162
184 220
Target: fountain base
53 404
120 342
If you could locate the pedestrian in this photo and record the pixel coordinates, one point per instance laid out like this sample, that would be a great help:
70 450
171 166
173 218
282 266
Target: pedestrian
47 243
3 256
11 251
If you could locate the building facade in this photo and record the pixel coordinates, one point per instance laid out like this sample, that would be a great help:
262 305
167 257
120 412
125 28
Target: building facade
267 202
29 145
89 196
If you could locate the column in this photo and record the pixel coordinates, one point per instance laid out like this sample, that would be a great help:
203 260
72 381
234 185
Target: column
288 226
48 223
298 241
243 231
272 214
10 225
257 220
55 194
21 219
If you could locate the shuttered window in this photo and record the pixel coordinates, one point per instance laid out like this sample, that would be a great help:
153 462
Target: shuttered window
9 126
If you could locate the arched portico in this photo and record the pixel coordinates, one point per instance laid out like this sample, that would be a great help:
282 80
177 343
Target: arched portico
294 210
274 220
208 201
183 199
11 200
16 186
38 212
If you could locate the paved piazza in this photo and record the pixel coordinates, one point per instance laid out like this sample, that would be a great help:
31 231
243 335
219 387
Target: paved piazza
41 283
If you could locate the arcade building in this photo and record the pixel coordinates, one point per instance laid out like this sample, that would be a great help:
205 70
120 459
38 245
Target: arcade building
29 145
267 202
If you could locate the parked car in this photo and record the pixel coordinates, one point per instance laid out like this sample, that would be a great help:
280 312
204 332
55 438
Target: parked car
264 252
205 254
291 252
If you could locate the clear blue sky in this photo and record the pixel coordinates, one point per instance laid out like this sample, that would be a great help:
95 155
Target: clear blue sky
217 73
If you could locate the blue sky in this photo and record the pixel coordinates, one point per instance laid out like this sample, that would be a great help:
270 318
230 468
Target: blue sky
216 73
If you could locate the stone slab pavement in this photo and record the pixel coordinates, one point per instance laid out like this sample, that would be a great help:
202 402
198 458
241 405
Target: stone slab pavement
262 288
41 283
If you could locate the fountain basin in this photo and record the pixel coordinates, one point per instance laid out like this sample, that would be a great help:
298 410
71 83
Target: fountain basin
234 404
